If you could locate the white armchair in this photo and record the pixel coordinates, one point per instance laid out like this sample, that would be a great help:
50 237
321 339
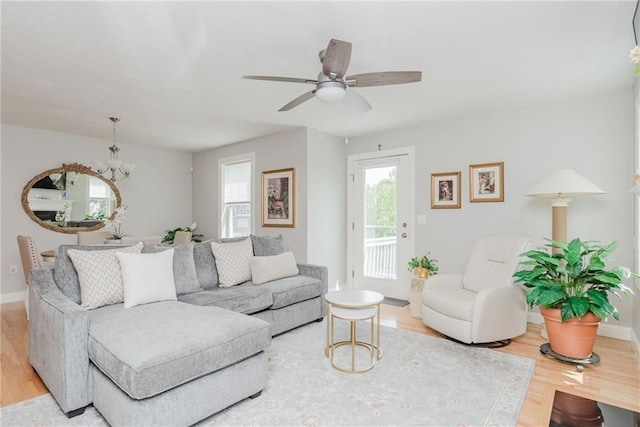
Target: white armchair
482 306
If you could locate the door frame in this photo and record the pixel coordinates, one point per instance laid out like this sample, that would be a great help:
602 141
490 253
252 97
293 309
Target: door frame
351 159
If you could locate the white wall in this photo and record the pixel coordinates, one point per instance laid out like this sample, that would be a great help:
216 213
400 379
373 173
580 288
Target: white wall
326 203
594 136
158 195
636 300
320 163
278 151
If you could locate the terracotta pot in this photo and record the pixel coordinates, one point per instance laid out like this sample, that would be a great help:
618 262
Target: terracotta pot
422 273
573 338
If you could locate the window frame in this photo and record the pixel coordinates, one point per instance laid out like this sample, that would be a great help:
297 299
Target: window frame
222 163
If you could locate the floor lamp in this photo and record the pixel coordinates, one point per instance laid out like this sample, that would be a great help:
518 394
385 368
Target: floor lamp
560 186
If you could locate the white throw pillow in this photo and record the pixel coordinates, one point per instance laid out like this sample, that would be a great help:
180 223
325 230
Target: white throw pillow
267 268
232 261
147 277
99 275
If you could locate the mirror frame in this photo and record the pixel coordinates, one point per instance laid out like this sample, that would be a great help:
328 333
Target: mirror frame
73 167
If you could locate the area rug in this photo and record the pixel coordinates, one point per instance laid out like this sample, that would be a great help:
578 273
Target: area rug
420 380
395 301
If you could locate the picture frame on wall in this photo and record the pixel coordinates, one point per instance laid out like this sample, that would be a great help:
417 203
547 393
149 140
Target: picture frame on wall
486 182
445 190
278 198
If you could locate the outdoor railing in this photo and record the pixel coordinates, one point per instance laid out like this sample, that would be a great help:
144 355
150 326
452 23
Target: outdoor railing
380 257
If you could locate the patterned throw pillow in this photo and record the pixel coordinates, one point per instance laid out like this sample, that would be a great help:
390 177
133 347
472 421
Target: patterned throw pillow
100 275
232 261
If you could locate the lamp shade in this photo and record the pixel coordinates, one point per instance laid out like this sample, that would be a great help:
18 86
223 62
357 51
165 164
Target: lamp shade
564 183
330 91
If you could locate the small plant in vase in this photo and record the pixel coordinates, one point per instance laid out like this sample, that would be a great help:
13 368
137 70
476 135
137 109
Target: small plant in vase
114 226
571 287
423 266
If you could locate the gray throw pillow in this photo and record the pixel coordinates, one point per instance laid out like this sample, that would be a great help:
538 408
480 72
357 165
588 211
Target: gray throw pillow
267 245
205 265
184 266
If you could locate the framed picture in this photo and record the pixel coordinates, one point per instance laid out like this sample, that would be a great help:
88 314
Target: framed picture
278 198
445 190
486 182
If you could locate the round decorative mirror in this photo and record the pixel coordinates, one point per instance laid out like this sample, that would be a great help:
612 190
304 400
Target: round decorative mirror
70 198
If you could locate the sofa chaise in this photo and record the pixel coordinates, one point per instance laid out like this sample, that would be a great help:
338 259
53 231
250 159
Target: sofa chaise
174 361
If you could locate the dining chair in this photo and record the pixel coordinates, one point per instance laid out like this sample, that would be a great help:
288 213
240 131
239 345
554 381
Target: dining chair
30 260
182 237
132 240
92 237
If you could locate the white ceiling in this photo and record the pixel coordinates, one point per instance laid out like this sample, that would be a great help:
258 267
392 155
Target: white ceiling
171 70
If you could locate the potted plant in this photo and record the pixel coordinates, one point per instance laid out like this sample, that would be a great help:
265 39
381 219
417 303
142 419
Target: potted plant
572 287
423 266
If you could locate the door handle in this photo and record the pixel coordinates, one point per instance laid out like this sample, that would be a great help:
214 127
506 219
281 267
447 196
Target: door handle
404 235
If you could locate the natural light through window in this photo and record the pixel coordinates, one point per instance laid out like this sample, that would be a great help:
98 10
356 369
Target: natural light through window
236 196
99 206
380 222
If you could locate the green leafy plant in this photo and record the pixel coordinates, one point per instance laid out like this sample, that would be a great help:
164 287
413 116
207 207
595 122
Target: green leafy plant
423 261
171 234
97 215
574 279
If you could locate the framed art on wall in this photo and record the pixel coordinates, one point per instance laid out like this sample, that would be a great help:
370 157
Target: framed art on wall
278 198
445 190
486 182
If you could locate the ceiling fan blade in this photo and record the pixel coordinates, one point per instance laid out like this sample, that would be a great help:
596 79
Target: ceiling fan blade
384 78
281 79
336 58
299 100
356 102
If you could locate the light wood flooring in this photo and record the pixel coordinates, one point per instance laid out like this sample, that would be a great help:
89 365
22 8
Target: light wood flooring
615 380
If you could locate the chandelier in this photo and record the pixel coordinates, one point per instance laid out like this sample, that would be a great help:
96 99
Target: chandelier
114 166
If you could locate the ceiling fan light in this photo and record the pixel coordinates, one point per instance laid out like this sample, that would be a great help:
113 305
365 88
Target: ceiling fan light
330 92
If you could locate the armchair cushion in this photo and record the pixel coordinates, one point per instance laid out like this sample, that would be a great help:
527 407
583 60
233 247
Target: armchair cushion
456 303
493 261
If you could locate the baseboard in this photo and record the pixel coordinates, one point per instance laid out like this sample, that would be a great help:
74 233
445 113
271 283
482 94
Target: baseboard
604 330
13 297
636 343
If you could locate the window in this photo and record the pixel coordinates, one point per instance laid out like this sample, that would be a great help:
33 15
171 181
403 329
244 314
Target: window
236 196
99 206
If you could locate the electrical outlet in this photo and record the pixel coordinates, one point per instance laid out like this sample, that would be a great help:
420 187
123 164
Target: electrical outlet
13 269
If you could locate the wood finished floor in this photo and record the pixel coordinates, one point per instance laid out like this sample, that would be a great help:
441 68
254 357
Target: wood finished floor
615 380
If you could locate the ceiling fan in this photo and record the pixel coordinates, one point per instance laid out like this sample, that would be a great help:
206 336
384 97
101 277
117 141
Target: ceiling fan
331 84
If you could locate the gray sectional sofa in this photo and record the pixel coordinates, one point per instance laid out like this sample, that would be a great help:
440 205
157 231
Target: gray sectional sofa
167 362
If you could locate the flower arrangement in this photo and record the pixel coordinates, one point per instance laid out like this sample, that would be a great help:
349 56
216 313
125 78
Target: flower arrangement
115 225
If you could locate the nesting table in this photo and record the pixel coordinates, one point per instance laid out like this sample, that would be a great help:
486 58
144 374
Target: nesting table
354 306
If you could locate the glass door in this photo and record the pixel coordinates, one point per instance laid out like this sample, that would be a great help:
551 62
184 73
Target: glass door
382 239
